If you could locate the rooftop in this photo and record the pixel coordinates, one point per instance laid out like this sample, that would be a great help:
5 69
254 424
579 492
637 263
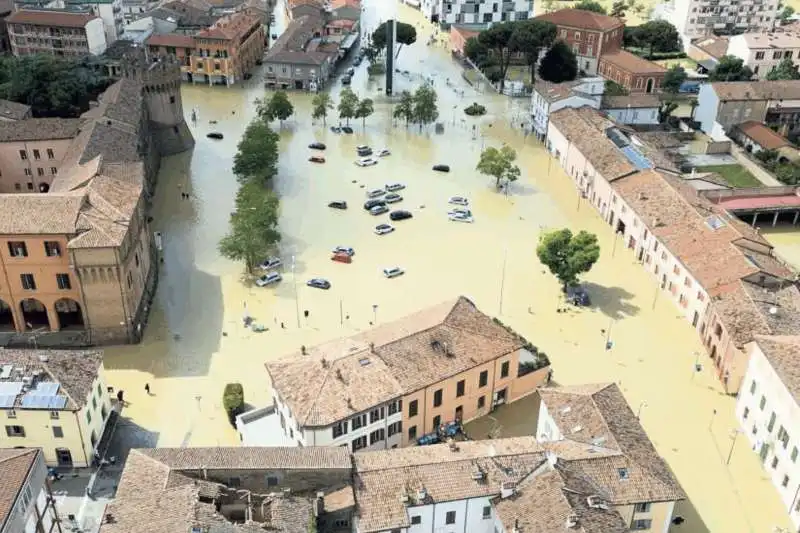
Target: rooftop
585 20
15 465
783 353
38 129
250 458
553 92
632 63
13 111
636 101
52 18
757 90
292 46
715 46
177 40
67 375
230 27
337 379
773 40
762 135
28 214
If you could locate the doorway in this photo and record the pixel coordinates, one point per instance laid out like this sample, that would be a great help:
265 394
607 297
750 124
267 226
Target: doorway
64 457
695 319
459 413
649 88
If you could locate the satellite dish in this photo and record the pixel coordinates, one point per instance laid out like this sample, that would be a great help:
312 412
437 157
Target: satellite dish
773 310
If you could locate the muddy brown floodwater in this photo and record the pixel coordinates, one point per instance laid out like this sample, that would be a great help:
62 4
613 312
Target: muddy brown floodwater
195 342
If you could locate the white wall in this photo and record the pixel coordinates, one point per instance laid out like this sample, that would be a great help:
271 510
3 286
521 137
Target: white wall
96 36
469 517
546 427
640 115
755 427
707 104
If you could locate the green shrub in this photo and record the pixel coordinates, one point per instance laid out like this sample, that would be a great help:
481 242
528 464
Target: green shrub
375 69
475 110
233 397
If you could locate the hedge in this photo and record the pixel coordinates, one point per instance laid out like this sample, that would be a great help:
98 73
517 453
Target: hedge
233 397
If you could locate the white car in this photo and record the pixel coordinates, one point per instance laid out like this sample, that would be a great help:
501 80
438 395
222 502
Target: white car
393 272
383 229
384 152
367 162
460 217
374 193
270 262
458 200
392 198
268 279
395 187
344 250
460 211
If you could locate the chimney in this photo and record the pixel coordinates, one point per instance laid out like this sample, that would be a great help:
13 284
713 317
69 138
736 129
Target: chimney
421 494
516 526
552 458
507 489
319 505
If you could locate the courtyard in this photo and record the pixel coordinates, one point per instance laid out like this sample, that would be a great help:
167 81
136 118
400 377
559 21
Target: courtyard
195 342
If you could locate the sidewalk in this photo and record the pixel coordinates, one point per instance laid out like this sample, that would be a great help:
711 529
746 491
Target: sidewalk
759 173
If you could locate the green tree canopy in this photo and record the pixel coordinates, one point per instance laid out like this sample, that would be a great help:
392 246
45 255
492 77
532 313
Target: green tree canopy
730 68
475 50
673 79
277 106
499 164
618 9
348 103
656 36
786 70
591 5
404 109
364 109
530 37
256 158
320 105
613 88
497 38
786 14
559 64
567 255
425 108
53 86
253 231
404 34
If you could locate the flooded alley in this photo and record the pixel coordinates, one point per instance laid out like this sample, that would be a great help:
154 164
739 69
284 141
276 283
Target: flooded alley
195 342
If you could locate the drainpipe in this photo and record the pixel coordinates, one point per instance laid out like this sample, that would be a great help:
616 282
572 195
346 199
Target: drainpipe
122 297
12 303
87 322
80 432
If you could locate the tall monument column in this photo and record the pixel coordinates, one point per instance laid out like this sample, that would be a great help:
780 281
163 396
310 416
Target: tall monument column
390 42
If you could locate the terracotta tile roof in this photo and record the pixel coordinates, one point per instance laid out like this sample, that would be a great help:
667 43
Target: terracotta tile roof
27 214
178 40
783 353
338 500
53 18
73 370
631 63
715 46
553 92
603 418
39 129
745 309
230 27
13 111
465 31
288 514
762 135
292 46
107 214
585 20
757 90
251 458
15 464
636 100
355 4
585 129
346 376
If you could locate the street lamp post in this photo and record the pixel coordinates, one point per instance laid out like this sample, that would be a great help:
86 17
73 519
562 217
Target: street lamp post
639 411
296 300
735 434
375 314
696 366
711 422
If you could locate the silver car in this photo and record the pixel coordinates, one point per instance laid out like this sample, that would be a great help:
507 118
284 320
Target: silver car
393 272
268 279
383 229
458 200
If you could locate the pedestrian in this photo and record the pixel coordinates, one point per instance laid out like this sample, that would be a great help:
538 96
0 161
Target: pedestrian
120 394
306 313
283 326
147 388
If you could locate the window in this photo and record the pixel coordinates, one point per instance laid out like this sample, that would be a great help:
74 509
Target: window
412 408
395 428
481 402
53 171
487 511
17 249
783 436
460 389
23 155
15 431
642 507
63 281
762 403
28 283
450 517
54 415
759 55
272 481
777 55
130 279
52 249
771 424
640 525
563 35
794 454
577 36
50 154
359 443
29 185
437 421
504 370
58 432
359 421
94 403
416 519
437 398
395 407
377 436
412 433
36 155
11 414
88 417
774 464
40 171
484 378
171 99
785 481
375 415
746 413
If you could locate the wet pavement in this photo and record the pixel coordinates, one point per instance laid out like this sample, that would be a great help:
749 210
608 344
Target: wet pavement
195 342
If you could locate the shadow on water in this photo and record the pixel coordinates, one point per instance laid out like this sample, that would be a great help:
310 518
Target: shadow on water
614 302
127 436
517 419
691 518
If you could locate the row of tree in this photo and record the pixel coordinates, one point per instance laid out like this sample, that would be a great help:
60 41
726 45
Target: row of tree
350 106
253 233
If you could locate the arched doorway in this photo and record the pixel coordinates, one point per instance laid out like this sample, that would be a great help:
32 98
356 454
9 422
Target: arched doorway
44 187
34 313
69 314
6 317
649 88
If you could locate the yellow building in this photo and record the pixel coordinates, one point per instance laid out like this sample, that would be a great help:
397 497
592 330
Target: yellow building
225 52
54 400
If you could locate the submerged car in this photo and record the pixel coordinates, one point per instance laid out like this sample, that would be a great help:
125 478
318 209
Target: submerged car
344 250
319 283
374 193
460 211
384 152
270 263
383 229
400 215
268 279
395 187
393 198
460 217
363 150
347 129
338 205
441 168
378 210
316 159
369 204
393 272
366 162
577 295
458 200
317 146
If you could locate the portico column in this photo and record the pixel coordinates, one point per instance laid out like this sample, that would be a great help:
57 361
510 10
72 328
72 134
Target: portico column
755 217
796 215
775 219
52 318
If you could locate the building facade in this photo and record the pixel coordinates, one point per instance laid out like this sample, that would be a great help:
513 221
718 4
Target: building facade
637 75
762 52
395 409
635 109
549 97
768 410
56 33
228 50
466 12
589 34
27 503
298 59
110 11
57 401
699 18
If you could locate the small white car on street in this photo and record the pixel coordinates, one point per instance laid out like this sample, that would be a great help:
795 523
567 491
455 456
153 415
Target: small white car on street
459 211
395 187
374 193
270 262
392 198
458 200
367 162
393 272
384 152
383 229
460 217
344 250
268 279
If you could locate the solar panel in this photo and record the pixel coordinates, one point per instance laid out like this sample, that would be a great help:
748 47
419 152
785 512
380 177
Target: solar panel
11 387
7 400
58 402
617 137
39 401
47 388
636 158
714 222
